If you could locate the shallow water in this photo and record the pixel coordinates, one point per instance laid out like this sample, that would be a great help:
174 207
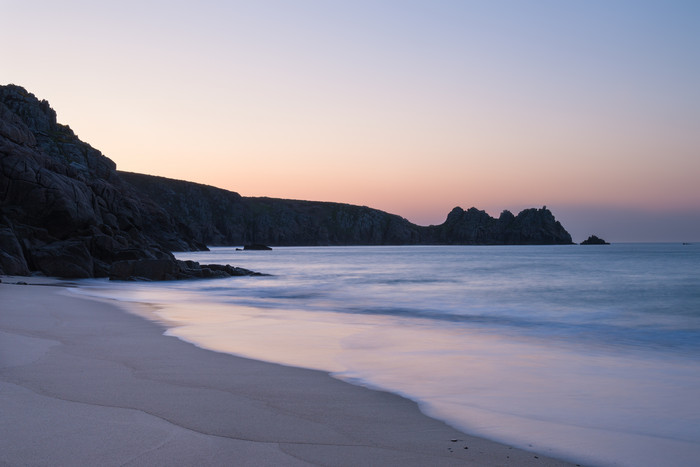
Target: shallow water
590 353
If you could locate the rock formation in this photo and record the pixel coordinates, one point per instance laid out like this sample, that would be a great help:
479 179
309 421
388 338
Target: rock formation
594 240
475 227
220 217
256 247
65 212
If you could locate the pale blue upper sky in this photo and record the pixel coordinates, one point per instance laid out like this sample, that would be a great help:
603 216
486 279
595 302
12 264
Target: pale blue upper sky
589 107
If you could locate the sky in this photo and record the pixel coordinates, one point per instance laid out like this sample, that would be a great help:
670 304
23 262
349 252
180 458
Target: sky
591 108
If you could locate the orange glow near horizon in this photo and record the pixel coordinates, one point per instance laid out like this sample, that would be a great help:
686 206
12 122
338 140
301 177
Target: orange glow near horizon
408 108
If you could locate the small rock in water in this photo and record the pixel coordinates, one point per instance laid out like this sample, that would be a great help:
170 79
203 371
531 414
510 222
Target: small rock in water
594 240
257 246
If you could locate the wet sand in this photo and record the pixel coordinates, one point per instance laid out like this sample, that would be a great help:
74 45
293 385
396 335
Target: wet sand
83 382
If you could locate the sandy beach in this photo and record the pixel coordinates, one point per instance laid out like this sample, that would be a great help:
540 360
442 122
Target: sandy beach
84 382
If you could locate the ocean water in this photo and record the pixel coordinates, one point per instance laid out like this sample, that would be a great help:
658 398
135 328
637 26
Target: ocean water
588 353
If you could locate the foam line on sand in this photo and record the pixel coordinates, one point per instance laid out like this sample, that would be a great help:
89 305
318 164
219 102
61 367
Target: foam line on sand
84 383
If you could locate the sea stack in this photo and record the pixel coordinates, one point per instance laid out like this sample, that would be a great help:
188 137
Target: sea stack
594 240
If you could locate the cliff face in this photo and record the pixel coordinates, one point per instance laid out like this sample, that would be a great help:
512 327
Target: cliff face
213 215
64 210
318 223
220 217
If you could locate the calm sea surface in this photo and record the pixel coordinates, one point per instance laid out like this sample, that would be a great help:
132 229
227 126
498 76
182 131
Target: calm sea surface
590 353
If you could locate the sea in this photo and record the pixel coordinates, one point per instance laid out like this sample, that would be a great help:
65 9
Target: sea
586 353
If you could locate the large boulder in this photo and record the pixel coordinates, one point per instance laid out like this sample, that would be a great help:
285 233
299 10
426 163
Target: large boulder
66 258
12 260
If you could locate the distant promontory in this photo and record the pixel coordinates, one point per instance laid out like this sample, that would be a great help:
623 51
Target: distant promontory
66 211
218 217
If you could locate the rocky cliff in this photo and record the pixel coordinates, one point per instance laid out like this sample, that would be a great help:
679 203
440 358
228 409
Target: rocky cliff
474 227
65 212
220 217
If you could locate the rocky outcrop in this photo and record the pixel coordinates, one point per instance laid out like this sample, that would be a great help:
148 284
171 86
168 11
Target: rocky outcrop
220 217
256 247
475 227
12 260
594 240
64 210
166 270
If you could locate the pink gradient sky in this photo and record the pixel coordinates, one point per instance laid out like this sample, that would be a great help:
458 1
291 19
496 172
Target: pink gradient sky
591 108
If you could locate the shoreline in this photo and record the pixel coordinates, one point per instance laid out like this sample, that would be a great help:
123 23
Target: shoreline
86 382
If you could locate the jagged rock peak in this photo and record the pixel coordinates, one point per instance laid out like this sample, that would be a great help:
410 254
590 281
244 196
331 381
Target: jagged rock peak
36 114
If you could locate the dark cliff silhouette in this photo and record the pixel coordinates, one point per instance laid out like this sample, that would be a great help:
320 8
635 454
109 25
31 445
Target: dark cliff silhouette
219 217
65 211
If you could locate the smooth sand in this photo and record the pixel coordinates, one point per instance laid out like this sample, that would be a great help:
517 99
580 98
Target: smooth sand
85 383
